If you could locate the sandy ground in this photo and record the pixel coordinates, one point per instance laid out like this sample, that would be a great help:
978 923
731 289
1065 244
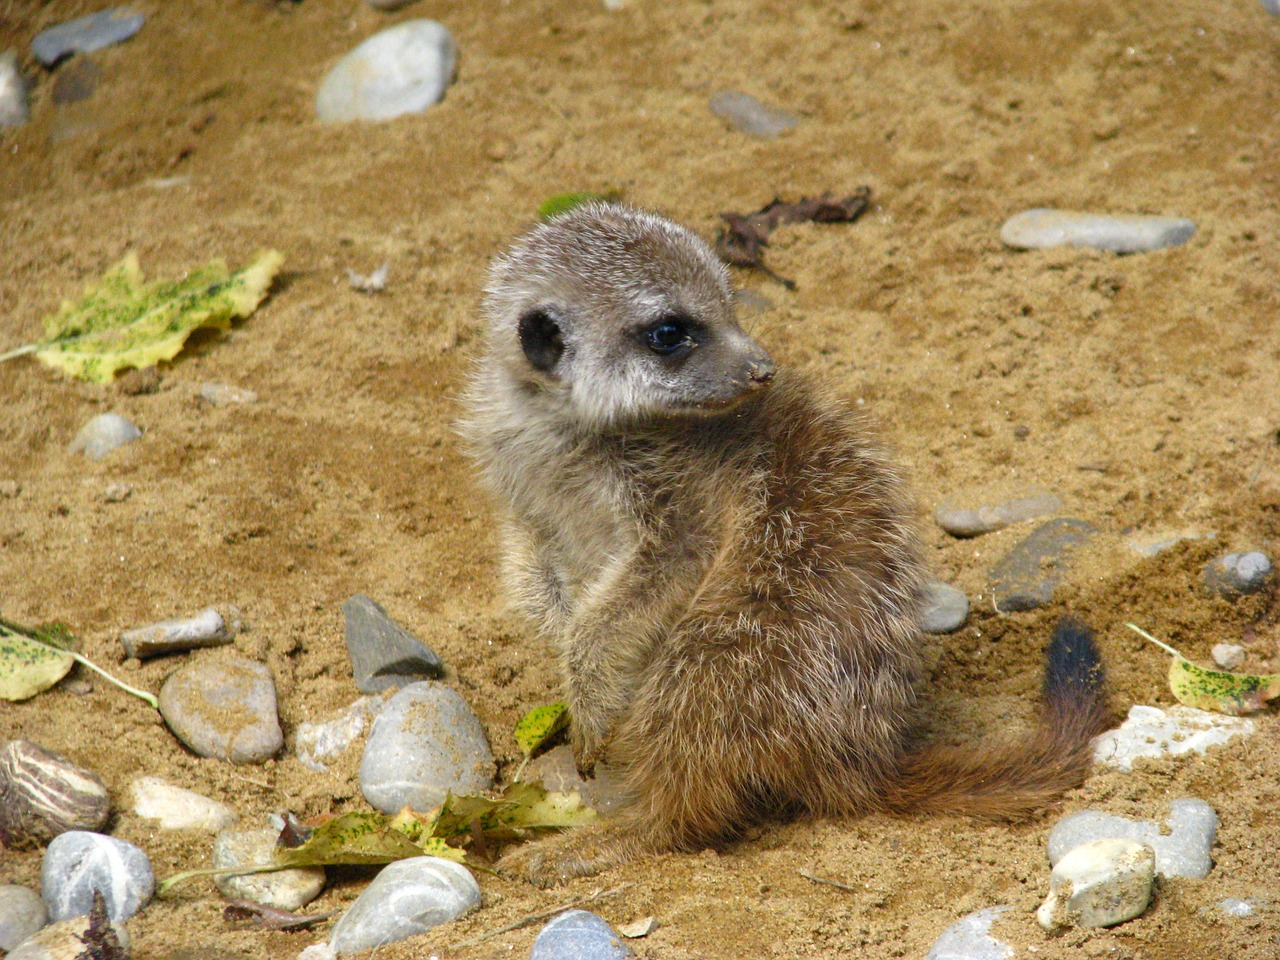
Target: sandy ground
1146 387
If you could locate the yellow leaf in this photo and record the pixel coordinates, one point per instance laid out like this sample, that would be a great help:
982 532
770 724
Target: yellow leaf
1233 693
539 725
28 668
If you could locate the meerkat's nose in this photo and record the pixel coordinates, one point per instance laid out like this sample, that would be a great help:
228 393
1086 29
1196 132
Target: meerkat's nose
760 372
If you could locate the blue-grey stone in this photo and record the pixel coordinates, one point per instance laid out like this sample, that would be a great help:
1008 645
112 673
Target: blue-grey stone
407 898
224 709
945 608
425 742
86 34
103 434
15 107
1027 576
1120 233
578 935
969 938
750 115
78 862
383 654
403 69
22 913
1238 573
1271 6
1184 851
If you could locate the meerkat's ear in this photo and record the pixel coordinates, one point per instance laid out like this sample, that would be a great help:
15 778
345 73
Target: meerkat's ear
541 340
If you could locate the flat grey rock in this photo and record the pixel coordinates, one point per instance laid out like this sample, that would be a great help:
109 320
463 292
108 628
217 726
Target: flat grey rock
945 608
406 898
750 115
424 743
975 521
578 935
208 628
173 808
78 862
1152 732
224 709
1184 851
281 890
558 773
383 654
102 434
1237 574
969 938
1027 576
22 914
403 69
316 744
15 105
86 34
1119 233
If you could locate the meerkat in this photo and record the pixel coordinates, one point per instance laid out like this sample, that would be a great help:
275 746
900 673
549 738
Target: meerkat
723 558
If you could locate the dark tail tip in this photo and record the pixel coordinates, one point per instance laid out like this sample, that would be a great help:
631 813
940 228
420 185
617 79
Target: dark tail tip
1073 677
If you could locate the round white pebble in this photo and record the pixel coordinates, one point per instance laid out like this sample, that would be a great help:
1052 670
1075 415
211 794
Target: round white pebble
404 69
103 434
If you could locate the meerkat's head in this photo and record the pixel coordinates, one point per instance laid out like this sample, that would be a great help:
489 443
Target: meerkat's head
616 314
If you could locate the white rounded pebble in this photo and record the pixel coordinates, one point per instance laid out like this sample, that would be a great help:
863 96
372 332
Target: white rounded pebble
944 608
969 938
1183 851
78 862
179 809
64 940
1099 884
317 743
578 935
22 913
1122 233
408 897
280 889
404 69
1228 656
1238 573
224 394
1235 907
750 115
15 109
319 951
975 521
1152 732
103 434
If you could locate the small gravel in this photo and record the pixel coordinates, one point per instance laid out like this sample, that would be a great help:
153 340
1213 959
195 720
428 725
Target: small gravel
1237 574
177 809
383 654
77 863
208 628
316 744
1152 732
1027 576
975 521
1123 233
1099 884
224 394
1228 656
64 940
945 608
579 935
969 938
15 105
406 898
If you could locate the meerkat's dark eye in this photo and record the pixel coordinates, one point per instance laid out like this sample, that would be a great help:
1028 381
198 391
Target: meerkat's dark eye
541 340
668 336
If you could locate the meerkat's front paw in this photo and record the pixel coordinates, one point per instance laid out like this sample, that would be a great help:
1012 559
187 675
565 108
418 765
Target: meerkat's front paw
581 852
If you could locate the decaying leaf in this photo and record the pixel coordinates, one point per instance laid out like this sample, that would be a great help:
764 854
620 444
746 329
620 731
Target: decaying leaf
1218 690
743 241
100 939
564 202
354 838
270 918
28 667
120 321
539 725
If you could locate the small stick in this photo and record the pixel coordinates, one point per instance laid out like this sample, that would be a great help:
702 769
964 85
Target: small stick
544 915
829 883
1159 643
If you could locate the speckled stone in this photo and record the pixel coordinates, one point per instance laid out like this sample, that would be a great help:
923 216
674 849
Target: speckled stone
1238 574
406 898
1183 851
1152 732
281 889
224 709
579 935
969 938
1099 884
174 808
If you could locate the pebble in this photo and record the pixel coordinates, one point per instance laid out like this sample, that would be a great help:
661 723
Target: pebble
1271 6
750 115
1099 884
77 863
224 709
1235 907
208 628
43 794
425 742
116 492
1237 573
1228 656
1153 544
64 940
558 773
103 434
15 107
383 654
317 743
969 938
1123 233
178 809
975 521
945 608
319 951
22 914
578 935
403 69
1182 851
282 890
1152 732
637 929
407 897
86 34
224 394
1027 576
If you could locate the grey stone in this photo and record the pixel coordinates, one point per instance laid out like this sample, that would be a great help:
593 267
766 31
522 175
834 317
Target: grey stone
281 889
945 608
102 434
750 115
78 862
224 709
1184 851
86 34
1271 6
1099 884
224 394
578 935
1027 576
558 773
969 938
317 743
407 898
64 940
403 69
208 628
22 914
1152 732
1235 907
15 106
1122 233
383 654
1228 656
177 809
975 521
1238 573
424 743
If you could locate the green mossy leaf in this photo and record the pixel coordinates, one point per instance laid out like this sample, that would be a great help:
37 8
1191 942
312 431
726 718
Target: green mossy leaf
1217 690
539 725
27 667
564 202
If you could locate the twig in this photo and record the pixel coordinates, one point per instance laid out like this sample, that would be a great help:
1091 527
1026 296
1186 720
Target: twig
829 883
536 917
21 351
7 631
1159 643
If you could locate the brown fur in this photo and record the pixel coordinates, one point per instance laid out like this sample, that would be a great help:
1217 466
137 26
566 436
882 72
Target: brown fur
733 586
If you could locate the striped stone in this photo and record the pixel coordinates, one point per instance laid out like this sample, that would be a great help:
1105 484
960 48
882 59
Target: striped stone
43 794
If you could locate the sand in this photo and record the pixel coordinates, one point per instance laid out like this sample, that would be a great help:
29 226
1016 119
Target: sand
1140 389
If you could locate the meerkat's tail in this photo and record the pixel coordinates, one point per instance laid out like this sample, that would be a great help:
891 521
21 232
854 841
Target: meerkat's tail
1011 781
